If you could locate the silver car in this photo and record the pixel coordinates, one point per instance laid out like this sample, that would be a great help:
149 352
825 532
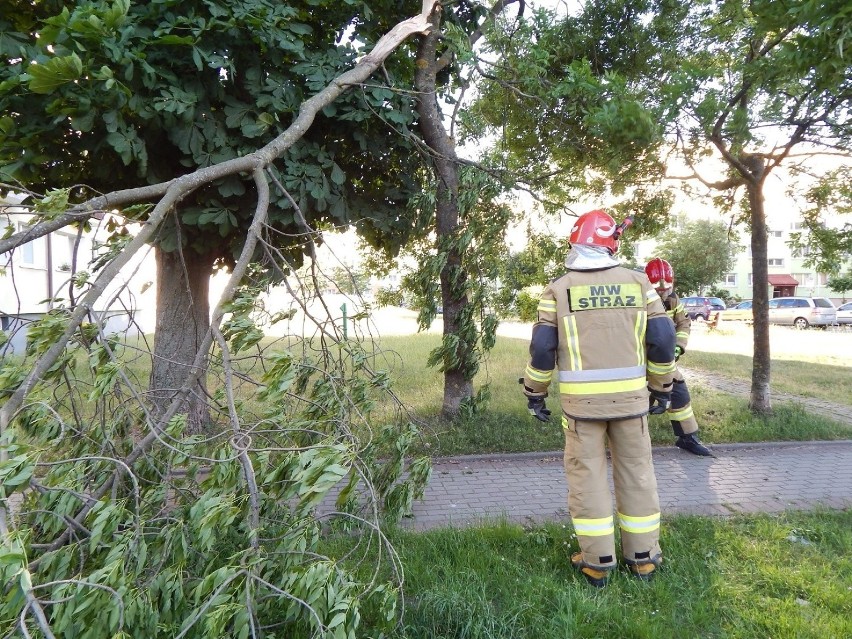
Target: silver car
802 312
844 313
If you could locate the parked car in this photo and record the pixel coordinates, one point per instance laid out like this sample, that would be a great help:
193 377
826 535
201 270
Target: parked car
702 307
802 312
844 313
741 312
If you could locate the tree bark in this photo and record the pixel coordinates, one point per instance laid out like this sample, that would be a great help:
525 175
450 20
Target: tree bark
760 400
183 319
445 165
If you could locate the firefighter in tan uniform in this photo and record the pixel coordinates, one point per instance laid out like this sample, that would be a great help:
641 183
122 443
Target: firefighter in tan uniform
680 413
605 329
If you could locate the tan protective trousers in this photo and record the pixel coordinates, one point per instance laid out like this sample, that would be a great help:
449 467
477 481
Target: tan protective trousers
680 412
589 496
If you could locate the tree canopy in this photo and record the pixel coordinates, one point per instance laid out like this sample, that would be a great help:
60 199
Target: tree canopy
700 252
561 96
123 95
744 89
117 95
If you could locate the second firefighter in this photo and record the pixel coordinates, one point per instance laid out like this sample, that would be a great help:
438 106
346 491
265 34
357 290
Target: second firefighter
680 413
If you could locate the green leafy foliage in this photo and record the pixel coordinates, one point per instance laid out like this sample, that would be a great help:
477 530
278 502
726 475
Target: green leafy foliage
827 248
700 253
540 261
568 115
527 306
480 241
122 94
770 82
841 283
201 537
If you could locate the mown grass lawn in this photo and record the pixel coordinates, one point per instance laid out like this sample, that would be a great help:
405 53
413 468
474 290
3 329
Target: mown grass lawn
786 576
505 426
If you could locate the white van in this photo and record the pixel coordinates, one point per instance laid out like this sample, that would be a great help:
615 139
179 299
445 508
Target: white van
802 312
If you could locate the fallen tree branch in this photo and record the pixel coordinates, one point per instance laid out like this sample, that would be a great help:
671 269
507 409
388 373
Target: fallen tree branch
172 192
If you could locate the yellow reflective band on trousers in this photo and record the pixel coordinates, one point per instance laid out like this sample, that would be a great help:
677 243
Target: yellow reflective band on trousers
600 388
538 376
547 306
681 414
594 527
573 344
638 524
661 369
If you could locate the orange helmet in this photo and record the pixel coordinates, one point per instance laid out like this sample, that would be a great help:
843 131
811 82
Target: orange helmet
660 273
597 228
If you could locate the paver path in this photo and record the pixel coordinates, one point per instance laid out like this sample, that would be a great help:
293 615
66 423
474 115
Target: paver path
531 487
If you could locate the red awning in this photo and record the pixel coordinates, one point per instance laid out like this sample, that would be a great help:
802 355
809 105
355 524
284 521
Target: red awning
782 280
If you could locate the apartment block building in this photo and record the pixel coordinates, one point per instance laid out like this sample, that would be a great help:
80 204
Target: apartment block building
39 276
788 273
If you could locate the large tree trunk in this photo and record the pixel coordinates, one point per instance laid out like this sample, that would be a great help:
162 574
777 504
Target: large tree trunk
183 319
453 278
760 401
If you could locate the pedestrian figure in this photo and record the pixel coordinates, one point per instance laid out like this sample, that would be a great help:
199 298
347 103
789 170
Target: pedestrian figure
680 413
605 329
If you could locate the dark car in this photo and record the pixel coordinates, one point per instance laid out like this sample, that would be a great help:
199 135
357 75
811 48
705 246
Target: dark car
702 307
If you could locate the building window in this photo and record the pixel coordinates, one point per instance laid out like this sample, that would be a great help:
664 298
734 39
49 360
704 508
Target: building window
805 279
731 279
822 279
750 280
798 226
66 256
30 253
776 234
775 262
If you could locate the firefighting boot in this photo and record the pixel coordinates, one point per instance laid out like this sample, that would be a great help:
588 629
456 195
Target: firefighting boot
691 444
646 571
594 576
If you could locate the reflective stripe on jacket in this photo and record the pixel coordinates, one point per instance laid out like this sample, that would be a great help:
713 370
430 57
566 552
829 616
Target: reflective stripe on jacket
675 310
608 333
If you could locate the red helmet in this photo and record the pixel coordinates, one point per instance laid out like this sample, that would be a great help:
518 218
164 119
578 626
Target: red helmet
596 228
660 273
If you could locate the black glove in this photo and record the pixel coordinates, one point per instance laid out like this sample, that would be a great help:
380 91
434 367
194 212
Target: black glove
537 409
659 402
